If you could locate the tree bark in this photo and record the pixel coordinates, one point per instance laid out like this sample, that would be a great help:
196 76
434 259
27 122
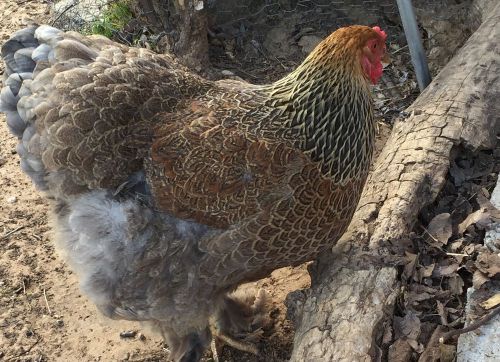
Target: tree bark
192 45
340 318
185 21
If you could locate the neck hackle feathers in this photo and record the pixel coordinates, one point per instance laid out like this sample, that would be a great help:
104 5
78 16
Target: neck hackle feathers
327 103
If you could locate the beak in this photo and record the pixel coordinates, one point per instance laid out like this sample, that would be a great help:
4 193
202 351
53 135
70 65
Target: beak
386 60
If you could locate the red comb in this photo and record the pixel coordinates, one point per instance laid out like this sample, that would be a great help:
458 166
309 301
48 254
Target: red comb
380 31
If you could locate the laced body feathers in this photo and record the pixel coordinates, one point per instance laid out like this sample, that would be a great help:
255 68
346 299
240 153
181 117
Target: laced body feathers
170 190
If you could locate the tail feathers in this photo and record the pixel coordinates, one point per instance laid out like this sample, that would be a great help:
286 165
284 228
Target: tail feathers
23 60
9 99
15 123
42 66
41 53
18 55
15 80
28 87
48 35
21 43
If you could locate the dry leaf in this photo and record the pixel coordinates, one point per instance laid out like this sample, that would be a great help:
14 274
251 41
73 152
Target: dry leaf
456 284
431 353
445 270
408 327
491 302
387 335
440 228
447 352
420 292
442 313
458 174
481 218
418 297
488 263
425 271
478 279
456 245
420 288
485 203
409 269
400 350
417 347
454 310
469 249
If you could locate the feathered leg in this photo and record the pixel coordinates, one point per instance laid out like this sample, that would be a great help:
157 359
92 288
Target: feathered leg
187 348
239 323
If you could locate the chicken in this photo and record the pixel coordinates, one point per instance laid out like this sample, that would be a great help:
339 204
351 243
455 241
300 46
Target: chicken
170 190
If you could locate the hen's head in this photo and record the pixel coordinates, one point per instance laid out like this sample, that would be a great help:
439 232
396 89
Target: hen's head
361 48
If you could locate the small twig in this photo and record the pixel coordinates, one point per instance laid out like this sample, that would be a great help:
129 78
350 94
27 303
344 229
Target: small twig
121 37
62 13
398 50
37 237
27 350
460 204
473 326
428 233
46 301
245 73
281 63
457 254
13 231
455 322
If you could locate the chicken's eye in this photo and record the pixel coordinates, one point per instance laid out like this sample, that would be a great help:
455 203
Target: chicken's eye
374 46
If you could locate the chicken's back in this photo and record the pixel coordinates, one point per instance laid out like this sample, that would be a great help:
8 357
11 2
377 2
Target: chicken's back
83 107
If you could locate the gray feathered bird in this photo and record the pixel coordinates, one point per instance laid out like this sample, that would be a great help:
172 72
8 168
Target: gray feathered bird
170 190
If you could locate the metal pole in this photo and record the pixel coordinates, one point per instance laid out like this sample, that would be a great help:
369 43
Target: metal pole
414 43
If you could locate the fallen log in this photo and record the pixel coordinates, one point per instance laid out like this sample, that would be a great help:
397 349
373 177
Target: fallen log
341 317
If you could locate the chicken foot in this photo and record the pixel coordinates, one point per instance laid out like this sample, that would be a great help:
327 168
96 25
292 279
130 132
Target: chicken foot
219 339
239 324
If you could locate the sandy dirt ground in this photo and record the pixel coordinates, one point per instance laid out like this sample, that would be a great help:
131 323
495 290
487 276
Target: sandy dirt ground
43 315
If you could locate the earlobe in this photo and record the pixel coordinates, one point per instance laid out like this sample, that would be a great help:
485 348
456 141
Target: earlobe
367 66
367 52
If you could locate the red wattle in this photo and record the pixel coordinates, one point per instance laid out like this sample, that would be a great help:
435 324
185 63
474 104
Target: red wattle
376 72
373 71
